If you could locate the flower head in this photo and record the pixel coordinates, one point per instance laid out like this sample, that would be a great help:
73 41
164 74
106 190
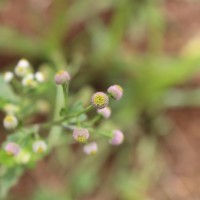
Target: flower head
118 137
105 112
81 134
115 91
39 77
22 68
29 81
100 100
62 77
8 76
12 148
90 148
39 146
10 122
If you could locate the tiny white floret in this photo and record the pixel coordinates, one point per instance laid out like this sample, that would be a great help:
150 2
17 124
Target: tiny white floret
39 146
8 76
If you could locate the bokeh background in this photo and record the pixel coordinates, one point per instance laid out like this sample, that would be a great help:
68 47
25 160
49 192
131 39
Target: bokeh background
152 49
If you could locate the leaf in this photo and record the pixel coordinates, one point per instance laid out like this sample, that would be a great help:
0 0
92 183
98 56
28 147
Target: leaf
8 179
6 92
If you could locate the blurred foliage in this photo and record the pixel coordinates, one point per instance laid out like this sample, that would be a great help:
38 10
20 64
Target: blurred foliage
98 42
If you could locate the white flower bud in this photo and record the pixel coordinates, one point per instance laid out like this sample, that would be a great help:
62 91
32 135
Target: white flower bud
22 68
39 77
39 146
8 76
10 122
28 81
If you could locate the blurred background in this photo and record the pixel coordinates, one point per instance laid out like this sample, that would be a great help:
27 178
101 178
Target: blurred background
152 49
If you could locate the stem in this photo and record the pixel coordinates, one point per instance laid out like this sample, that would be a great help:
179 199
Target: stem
95 119
65 94
106 134
57 122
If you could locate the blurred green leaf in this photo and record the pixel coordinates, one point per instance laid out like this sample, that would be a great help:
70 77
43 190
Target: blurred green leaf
9 179
6 92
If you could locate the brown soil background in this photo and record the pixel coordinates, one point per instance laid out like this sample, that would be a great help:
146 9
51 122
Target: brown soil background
181 148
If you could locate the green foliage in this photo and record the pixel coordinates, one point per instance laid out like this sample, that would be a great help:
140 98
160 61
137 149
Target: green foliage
6 93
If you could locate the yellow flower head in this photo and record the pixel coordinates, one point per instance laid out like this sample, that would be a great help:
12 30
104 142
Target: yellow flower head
100 100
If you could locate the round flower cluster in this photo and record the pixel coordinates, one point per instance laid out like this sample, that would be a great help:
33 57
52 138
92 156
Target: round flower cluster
62 77
24 71
12 148
117 137
10 122
115 91
39 146
91 148
81 135
100 100
104 112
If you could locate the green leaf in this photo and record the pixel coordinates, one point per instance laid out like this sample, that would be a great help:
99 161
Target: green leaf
6 92
8 179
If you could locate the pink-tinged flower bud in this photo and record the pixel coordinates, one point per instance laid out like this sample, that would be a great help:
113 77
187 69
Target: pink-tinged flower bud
81 135
105 112
39 146
10 122
62 77
91 148
118 137
12 148
100 100
115 91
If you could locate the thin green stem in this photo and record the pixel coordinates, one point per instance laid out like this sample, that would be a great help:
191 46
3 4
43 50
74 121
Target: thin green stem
58 122
65 94
95 119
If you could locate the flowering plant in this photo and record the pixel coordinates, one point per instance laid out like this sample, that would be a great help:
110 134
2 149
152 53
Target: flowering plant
29 140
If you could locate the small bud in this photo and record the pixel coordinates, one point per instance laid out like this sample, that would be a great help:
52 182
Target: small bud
22 68
12 148
39 77
8 76
118 137
10 109
100 100
81 135
10 122
62 77
105 112
28 81
39 146
91 148
115 91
